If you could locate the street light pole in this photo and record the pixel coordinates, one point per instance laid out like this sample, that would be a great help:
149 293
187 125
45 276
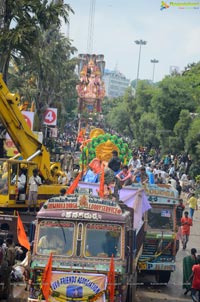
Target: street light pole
140 43
154 61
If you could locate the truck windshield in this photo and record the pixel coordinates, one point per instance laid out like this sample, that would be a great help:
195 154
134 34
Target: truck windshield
102 240
161 218
56 237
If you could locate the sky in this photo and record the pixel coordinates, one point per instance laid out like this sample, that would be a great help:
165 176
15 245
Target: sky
172 35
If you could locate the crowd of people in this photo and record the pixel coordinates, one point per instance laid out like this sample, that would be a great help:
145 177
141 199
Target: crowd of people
11 256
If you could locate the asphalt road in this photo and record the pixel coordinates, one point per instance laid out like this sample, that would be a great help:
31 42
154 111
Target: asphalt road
173 291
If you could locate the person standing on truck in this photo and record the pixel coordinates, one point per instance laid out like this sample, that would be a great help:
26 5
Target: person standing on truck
115 162
34 183
186 223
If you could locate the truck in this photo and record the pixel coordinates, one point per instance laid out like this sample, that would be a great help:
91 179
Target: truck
32 154
160 242
86 232
160 245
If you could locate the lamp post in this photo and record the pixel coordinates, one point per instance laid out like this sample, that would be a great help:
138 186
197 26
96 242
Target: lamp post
140 43
154 61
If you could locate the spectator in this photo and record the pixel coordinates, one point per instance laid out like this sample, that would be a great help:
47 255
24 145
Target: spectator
178 187
196 280
192 202
188 262
179 213
134 162
9 262
186 223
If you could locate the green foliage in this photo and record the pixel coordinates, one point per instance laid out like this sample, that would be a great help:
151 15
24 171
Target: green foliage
39 57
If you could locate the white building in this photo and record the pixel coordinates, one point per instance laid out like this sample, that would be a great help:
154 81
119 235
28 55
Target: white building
115 83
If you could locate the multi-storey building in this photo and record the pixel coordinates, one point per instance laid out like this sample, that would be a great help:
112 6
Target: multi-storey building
115 83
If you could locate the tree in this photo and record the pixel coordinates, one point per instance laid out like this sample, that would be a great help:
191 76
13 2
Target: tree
181 129
21 24
148 127
174 95
48 78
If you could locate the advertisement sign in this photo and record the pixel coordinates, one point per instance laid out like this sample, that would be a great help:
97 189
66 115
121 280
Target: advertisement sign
50 117
29 118
9 145
71 285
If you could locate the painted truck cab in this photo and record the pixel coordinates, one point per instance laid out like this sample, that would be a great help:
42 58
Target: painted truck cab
160 245
83 232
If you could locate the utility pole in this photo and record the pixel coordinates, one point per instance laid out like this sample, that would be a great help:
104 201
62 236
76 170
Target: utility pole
140 43
153 61
91 27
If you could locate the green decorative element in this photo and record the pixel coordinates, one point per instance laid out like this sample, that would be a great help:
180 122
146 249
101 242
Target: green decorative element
122 151
89 151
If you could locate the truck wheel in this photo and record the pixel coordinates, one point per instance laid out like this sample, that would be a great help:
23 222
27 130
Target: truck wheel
163 276
129 296
131 290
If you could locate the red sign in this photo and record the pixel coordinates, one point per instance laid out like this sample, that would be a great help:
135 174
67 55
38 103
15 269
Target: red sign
27 120
50 116
29 117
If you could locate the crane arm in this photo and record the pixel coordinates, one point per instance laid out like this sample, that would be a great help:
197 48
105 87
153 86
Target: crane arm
21 134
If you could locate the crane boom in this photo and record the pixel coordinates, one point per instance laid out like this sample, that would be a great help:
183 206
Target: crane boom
21 134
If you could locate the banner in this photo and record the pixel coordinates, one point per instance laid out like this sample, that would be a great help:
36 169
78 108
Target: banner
69 286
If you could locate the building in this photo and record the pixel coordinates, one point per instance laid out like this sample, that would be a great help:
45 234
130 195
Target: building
115 83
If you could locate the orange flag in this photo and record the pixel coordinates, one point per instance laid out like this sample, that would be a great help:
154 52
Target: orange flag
46 279
21 234
111 280
101 186
74 184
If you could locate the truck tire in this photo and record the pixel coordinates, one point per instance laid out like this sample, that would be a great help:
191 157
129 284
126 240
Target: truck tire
129 296
131 290
163 277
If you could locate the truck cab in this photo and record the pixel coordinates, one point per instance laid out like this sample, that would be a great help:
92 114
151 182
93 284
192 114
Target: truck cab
160 244
83 232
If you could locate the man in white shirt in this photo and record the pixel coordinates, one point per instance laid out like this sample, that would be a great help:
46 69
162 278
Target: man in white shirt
34 183
134 162
21 181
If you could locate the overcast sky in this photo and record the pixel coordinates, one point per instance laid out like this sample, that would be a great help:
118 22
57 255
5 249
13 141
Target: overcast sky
172 35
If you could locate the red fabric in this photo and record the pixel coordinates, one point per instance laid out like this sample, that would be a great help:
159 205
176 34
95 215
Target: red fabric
95 165
196 276
74 184
101 186
21 234
186 223
111 280
46 279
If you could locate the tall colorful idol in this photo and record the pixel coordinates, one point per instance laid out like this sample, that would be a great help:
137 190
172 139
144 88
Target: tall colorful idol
91 89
